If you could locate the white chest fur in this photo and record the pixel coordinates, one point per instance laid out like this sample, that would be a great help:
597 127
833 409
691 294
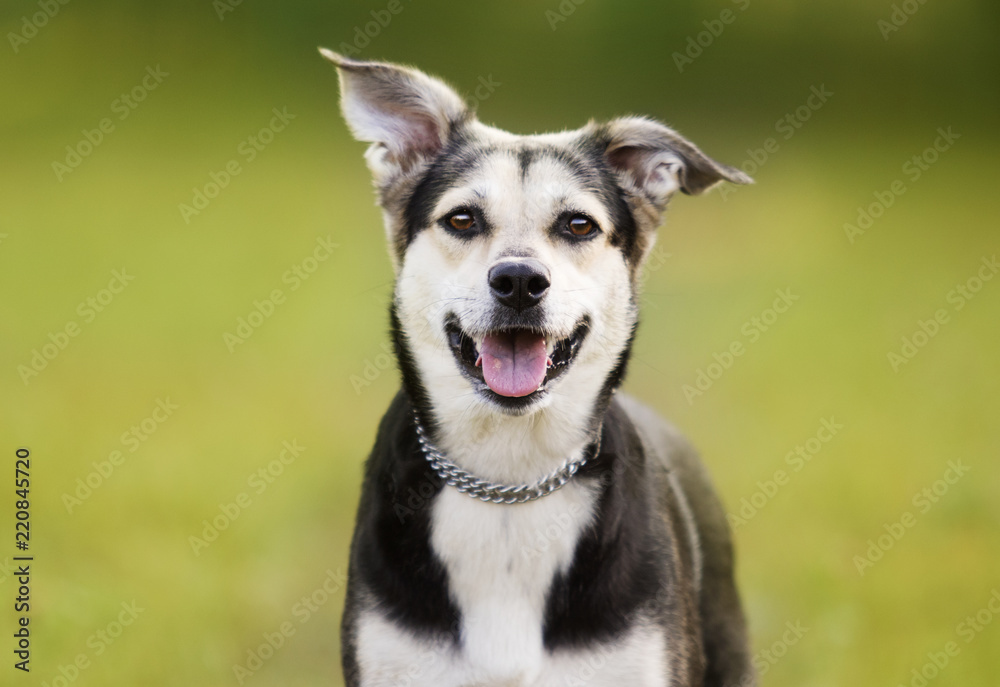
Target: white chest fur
500 561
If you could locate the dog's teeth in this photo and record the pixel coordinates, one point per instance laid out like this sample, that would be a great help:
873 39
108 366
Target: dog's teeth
479 361
548 362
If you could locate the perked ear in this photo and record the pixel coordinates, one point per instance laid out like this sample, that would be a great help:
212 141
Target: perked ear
406 114
656 161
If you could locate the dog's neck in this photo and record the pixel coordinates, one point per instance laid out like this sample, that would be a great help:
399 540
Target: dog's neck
505 448
512 449
519 449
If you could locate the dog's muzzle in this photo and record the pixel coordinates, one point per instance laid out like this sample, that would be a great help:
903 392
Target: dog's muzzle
512 365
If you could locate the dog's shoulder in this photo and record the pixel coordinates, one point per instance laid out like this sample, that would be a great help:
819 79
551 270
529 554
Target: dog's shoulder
393 524
667 449
689 482
661 440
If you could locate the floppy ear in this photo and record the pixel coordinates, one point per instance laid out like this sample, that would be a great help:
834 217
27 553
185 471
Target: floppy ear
404 113
656 161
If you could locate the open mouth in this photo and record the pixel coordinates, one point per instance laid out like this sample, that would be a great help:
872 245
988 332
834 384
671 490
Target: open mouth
513 366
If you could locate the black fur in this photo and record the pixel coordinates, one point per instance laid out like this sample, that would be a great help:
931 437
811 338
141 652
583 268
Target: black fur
391 557
620 563
456 159
602 180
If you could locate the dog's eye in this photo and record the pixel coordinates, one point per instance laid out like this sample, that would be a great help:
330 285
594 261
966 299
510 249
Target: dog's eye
461 221
580 225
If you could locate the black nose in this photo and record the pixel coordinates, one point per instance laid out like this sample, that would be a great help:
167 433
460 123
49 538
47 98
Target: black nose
519 284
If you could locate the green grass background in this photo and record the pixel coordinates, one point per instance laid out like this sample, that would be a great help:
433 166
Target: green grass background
722 258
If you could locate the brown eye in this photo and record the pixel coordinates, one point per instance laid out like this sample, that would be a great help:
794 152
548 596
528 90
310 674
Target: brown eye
580 225
461 221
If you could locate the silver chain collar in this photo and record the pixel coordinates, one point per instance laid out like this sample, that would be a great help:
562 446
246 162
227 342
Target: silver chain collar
491 492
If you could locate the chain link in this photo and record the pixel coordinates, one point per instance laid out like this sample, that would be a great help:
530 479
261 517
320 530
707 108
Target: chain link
491 492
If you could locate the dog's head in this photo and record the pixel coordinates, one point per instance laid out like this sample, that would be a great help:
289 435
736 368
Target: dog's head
516 257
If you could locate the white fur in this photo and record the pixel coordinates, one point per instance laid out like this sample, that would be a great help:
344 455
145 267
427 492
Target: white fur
442 274
392 657
404 112
500 563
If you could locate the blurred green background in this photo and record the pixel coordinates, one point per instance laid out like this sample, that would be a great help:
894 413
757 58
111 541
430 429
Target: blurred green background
314 373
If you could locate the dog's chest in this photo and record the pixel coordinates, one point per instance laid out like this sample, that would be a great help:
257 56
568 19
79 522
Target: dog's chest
500 561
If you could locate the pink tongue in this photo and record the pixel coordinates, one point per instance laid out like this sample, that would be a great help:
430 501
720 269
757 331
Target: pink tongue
514 363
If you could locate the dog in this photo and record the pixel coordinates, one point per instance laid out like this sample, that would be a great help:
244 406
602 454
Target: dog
521 521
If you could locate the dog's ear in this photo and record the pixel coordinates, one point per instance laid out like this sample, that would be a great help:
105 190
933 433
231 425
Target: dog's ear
406 114
655 161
